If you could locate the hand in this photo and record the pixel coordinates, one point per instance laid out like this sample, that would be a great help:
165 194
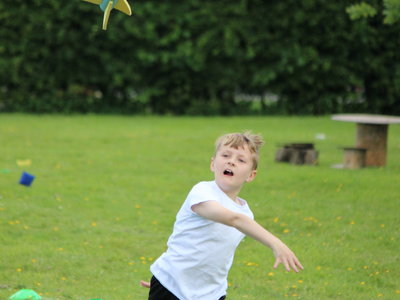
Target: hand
145 284
286 257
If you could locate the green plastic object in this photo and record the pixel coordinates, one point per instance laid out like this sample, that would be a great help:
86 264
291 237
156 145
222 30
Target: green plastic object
25 294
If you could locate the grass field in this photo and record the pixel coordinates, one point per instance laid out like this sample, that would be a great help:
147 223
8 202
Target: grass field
107 190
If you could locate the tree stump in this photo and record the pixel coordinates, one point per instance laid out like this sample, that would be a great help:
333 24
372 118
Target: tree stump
373 137
297 154
354 158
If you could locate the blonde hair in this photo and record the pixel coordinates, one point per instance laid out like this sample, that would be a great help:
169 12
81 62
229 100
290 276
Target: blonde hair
236 140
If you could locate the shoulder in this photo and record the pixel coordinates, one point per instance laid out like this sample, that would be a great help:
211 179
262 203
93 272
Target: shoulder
203 186
203 191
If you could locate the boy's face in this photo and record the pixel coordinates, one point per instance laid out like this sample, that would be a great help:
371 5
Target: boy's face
232 168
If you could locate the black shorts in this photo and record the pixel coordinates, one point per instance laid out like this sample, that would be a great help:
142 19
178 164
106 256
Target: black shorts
159 292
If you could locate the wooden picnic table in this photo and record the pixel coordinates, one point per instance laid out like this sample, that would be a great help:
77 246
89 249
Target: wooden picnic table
372 132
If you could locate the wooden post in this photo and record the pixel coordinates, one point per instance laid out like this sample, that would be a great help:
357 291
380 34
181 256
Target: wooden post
373 137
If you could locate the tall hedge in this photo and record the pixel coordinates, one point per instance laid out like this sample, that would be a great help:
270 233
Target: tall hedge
197 57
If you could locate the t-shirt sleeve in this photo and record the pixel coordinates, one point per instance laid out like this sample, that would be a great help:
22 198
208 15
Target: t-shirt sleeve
202 192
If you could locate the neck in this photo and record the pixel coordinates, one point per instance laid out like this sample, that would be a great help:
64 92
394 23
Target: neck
232 194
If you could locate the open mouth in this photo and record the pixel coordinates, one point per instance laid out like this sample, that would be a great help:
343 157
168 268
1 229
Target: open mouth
228 172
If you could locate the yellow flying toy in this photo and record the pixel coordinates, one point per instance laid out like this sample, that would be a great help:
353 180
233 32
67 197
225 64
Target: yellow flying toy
108 5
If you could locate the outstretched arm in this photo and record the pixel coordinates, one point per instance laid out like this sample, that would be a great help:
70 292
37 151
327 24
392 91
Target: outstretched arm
214 211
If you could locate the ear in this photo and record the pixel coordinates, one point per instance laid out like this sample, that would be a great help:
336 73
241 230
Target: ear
212 164
251 176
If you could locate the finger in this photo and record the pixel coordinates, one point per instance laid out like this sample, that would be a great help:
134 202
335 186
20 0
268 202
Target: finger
300 267
298 263
287 265
145 284
277 262
294 267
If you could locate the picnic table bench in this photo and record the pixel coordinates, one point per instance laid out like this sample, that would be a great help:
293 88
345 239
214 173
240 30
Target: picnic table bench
371 134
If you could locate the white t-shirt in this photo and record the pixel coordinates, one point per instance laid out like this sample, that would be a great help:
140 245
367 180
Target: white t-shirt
200 251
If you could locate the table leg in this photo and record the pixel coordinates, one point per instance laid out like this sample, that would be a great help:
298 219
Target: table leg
373 137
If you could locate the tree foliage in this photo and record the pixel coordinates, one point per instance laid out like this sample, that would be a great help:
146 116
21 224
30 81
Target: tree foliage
198 57
391 11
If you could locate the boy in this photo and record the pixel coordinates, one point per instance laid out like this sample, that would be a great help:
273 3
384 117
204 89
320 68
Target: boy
210 225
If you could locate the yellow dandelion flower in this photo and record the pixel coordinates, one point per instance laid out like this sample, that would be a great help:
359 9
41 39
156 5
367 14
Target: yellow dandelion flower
60 249
318 268
142 258
294 286
365 267
23 162
379 295
362 283
300 281
397 291
137 206
295 295
352 223
34 260
286 230
64 278
94 224
382 225
271 274
56 228
276 220
19 269
38 283
350 269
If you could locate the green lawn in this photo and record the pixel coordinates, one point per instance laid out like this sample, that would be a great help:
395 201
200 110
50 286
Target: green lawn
107 190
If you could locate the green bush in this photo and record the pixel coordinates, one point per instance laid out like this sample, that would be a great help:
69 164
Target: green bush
195 57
